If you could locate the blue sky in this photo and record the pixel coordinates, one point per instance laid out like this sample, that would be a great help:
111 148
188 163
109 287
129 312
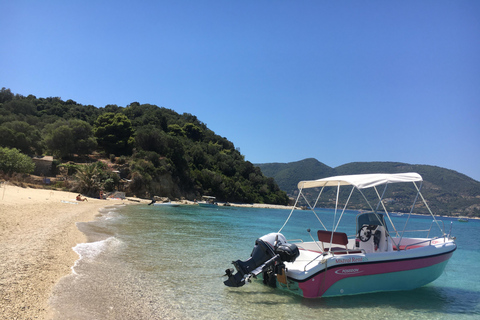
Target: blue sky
339 81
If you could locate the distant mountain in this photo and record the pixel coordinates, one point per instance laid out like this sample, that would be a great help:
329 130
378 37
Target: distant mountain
447 192
287 175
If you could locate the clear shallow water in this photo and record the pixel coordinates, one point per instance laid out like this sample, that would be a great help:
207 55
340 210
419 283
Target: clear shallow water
146 262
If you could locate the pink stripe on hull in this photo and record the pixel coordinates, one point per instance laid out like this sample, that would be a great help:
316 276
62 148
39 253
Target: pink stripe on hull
319 284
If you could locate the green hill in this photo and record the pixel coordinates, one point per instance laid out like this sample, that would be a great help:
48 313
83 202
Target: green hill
142 149
287 175
447 192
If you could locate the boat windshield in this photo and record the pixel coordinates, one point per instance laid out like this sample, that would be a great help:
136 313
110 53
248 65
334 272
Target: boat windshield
371 219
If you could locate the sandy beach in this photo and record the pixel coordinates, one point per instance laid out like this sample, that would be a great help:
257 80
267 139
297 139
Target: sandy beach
37 234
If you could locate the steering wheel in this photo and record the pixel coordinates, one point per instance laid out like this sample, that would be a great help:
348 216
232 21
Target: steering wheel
365 233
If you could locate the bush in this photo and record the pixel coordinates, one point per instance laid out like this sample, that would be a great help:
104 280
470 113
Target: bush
92 178
71 168
13 161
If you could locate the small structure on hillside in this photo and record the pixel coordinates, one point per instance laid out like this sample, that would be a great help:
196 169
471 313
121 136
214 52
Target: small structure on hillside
43 166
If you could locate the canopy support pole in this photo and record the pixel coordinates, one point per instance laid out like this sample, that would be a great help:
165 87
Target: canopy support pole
428 208
344 208
385 209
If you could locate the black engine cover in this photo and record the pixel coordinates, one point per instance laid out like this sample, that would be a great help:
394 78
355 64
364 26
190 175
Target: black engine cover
288 252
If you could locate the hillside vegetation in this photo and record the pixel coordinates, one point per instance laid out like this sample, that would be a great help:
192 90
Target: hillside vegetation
143 149
446 191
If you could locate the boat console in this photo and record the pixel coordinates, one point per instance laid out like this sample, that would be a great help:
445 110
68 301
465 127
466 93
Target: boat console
372 233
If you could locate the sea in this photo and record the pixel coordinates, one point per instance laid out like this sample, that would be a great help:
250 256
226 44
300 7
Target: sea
154 262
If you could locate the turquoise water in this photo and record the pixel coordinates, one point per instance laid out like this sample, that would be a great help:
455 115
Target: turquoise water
146 262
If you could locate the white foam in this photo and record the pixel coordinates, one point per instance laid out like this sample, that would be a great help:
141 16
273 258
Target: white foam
109 213
107 209
89 251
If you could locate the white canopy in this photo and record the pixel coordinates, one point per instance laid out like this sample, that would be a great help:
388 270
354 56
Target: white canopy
361 181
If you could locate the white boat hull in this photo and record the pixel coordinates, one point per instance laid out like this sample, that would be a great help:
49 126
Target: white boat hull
348 274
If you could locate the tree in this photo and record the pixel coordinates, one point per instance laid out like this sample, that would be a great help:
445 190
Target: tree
12 160
60 141
176 130
22 106
112 108
6 95
85 142
193 132
92 178
20 135
149 138
63 138
114 133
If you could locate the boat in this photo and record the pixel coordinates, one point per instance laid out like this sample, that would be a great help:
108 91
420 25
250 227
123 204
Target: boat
208 201
376 257
462 219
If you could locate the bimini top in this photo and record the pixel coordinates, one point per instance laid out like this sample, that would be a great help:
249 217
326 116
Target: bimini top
361 181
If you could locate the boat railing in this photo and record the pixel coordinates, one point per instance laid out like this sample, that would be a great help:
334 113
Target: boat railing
425 230
443 229
444 235
424 241
450 231
418 243
320 255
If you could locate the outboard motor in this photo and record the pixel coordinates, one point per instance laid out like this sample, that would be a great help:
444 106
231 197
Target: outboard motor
268 251
288 252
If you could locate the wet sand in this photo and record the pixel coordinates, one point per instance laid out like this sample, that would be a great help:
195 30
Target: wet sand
37 233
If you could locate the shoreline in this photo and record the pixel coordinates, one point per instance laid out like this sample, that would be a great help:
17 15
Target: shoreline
37 233
283 207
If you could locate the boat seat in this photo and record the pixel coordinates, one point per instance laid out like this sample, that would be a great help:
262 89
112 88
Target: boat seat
339 238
